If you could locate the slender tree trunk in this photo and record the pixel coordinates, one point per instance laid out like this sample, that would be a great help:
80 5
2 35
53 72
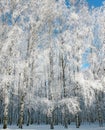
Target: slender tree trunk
28 118
65 119
99 110
100 117
32 116
52 121
50 88
11 110
21 112
56 117
77 121
65 92
5 120
38 117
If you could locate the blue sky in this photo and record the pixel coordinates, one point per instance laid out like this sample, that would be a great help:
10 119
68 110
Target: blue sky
95 3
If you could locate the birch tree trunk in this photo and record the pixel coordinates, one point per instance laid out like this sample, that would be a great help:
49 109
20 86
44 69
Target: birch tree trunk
21 112
100 117
99 114
50 90
28 117
64 90
65 119
77 121
98 106
52 121
6 101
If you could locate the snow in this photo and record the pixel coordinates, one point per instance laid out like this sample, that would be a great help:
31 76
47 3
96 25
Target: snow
59 127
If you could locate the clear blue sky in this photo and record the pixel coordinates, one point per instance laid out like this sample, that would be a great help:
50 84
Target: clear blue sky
95 3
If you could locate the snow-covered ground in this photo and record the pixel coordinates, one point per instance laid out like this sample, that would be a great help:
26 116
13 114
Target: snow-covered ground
46 127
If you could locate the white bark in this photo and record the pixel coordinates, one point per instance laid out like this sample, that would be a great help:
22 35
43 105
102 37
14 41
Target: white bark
6 101
21 112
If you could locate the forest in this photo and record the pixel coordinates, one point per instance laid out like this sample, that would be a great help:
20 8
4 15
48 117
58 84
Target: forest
52 63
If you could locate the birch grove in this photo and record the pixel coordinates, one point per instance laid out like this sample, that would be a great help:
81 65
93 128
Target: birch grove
52 57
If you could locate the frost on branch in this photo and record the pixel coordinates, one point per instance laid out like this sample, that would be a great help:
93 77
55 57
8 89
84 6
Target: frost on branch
71 104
